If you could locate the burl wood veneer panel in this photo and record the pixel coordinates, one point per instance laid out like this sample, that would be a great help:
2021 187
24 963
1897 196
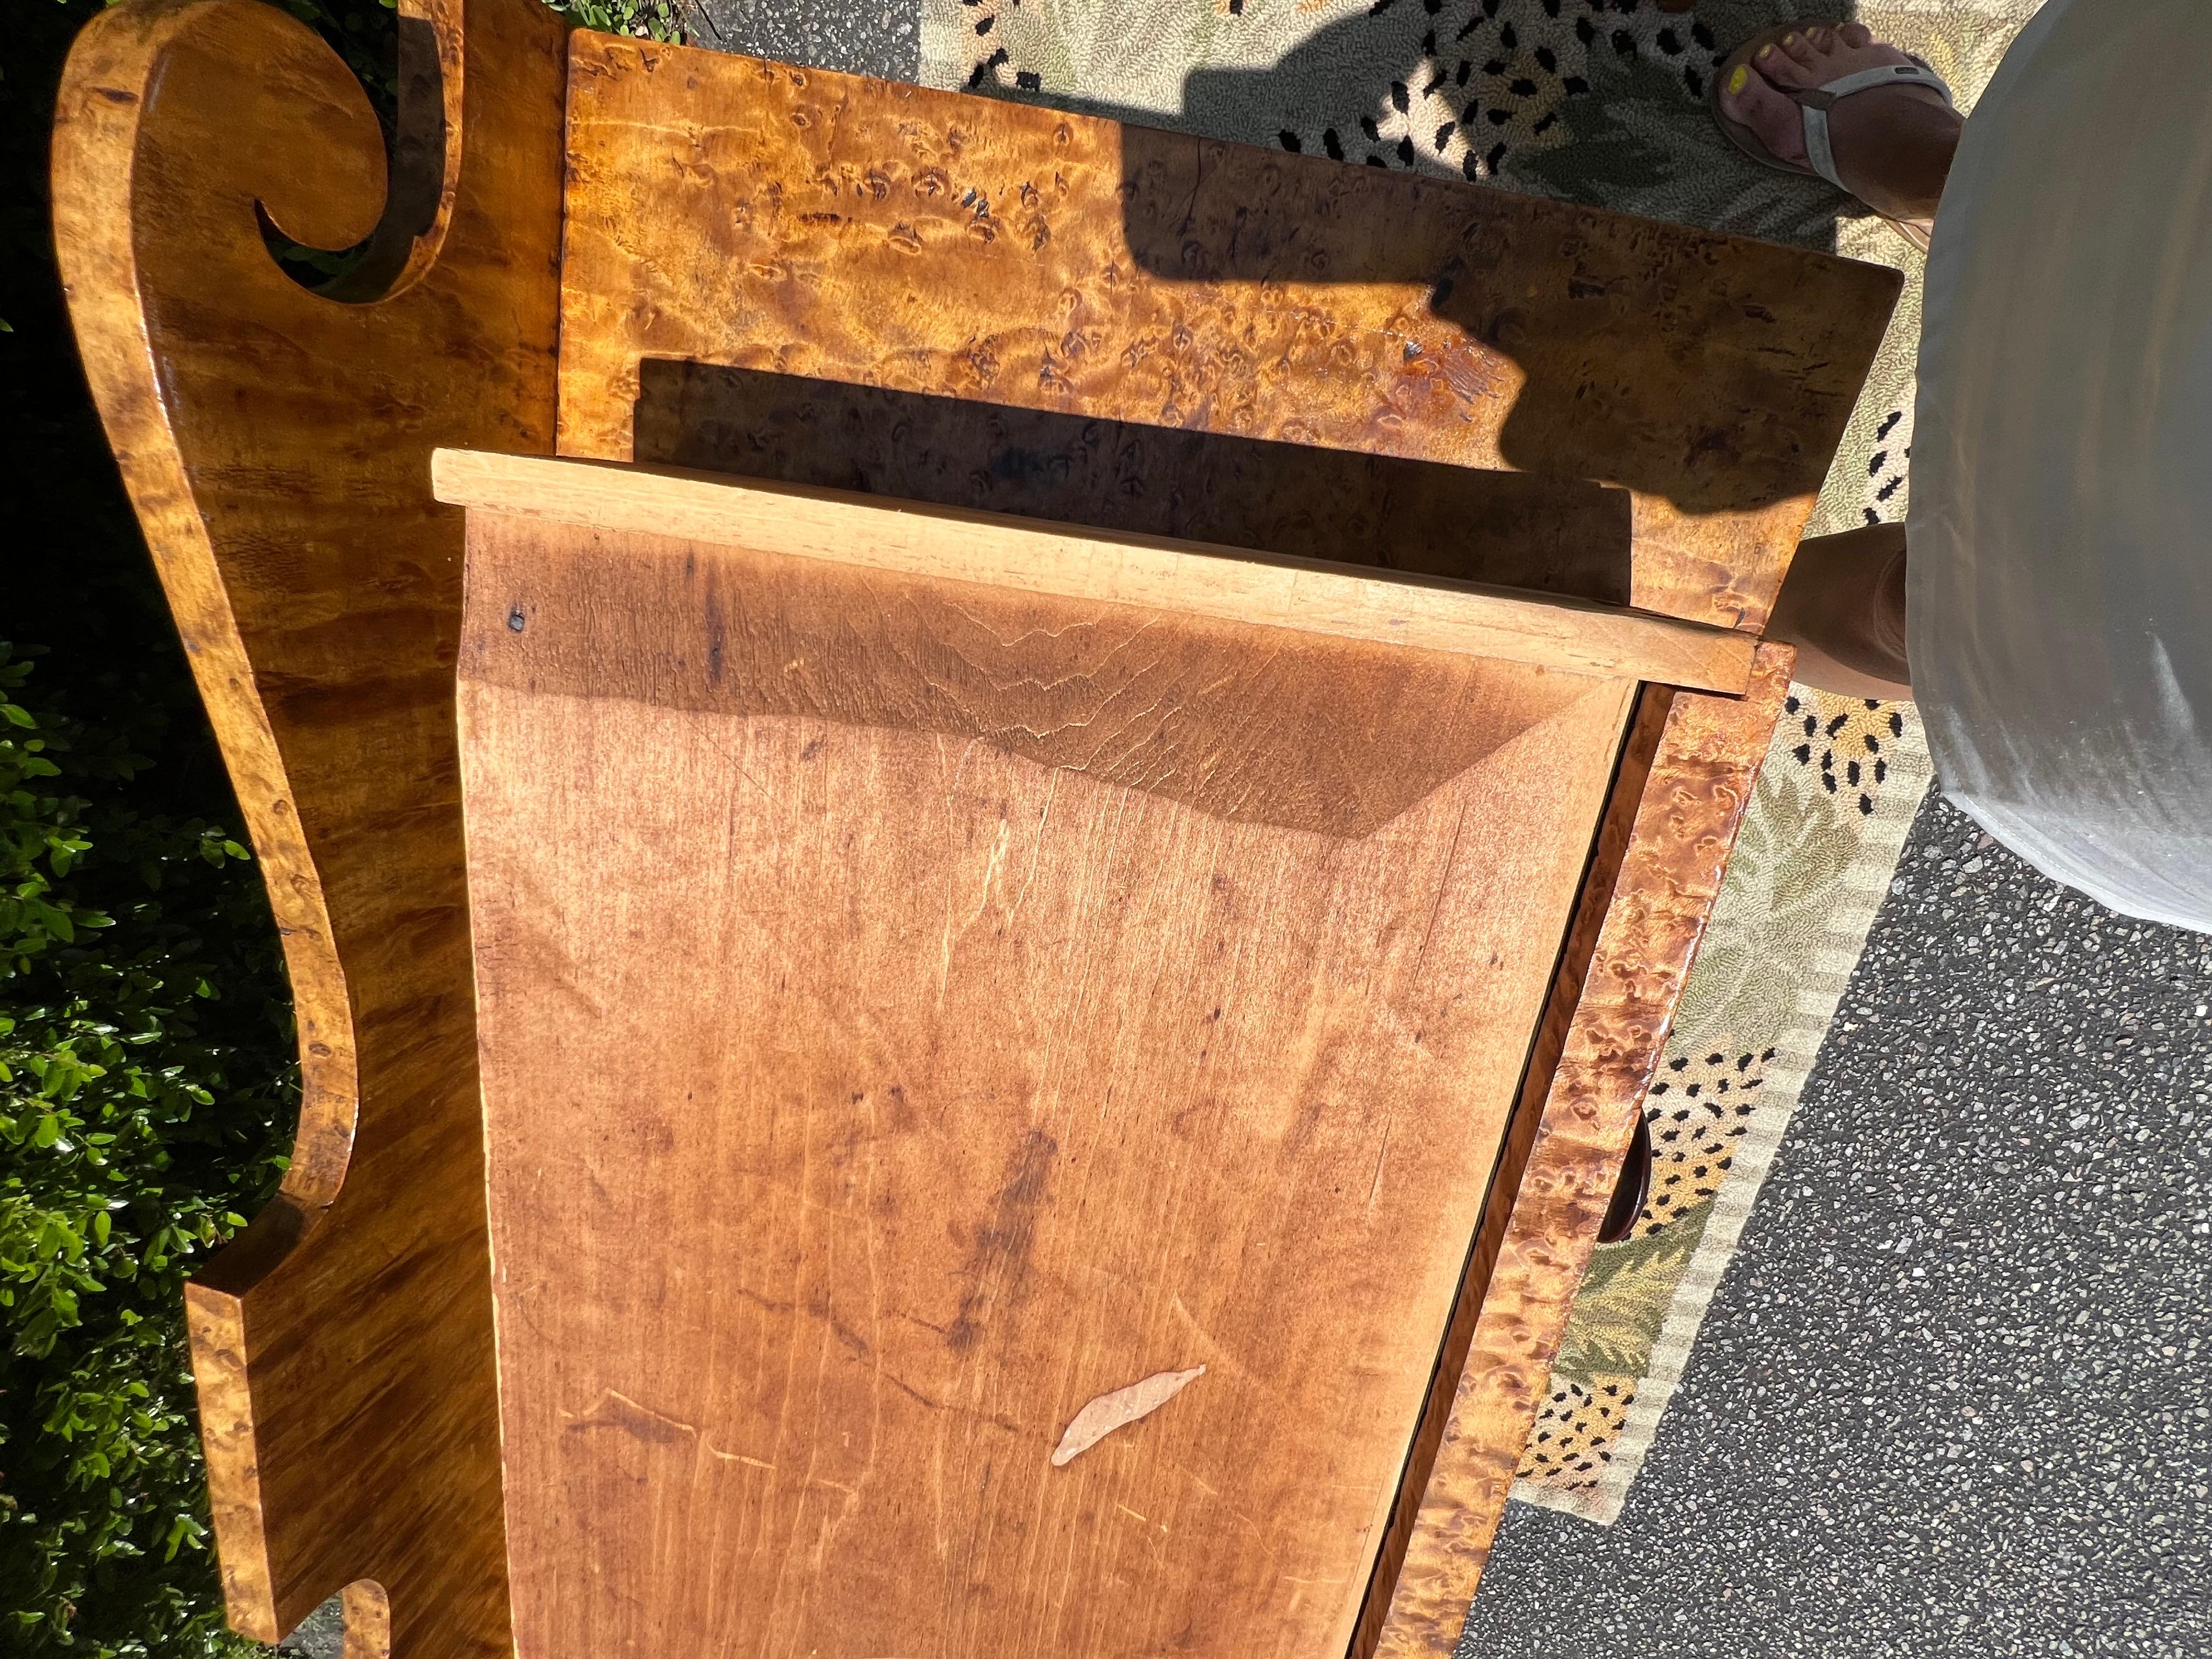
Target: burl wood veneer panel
1686 776
727 212
910 1010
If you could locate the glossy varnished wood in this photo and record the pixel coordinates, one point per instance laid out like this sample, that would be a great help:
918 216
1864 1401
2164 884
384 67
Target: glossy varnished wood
725 211
277 445
1076 561
1638 748
1557 1172
912 1010
1010 310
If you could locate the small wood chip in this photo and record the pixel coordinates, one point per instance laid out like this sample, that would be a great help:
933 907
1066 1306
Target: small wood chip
1110 1411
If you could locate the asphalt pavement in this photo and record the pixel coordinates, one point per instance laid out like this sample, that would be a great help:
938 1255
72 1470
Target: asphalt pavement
1954 1396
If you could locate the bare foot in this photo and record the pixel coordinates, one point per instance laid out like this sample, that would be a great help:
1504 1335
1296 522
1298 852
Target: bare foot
1893 145
1843 606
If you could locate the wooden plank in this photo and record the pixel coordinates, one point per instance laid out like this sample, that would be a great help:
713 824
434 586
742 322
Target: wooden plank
912 1010
1558 1175
277 445
1637 750
725 211
1071 562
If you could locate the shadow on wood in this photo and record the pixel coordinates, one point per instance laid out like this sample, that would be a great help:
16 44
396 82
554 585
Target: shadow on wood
275 442
865 1098
1546 535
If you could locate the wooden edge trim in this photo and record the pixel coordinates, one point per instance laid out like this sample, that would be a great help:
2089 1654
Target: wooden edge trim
96 143
367 1611
345 1442
1608 847
1536 1236
217 1330
1071 561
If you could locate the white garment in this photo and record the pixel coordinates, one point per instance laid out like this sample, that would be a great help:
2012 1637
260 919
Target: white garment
2060 582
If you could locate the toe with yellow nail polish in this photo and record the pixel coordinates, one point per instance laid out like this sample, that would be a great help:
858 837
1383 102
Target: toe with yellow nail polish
1739 80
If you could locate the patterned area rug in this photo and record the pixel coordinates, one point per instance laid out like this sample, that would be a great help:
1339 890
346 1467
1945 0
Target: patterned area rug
1599 101
1820 845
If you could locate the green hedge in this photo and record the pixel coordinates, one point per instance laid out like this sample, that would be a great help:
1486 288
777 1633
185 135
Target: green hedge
146 1068
148 1087
147 1092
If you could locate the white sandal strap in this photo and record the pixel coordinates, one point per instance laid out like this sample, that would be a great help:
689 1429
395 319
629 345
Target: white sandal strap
1819 154
1887 75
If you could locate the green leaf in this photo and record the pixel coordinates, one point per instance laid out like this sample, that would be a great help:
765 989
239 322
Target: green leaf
146 1088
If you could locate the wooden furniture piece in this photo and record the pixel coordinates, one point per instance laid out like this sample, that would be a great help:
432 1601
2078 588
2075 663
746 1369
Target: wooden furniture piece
935 970
826 281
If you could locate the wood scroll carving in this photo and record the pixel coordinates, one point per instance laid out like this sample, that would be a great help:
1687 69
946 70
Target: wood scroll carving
276 445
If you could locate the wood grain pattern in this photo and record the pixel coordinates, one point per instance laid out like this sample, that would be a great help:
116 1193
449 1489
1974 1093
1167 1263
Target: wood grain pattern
1513 529
888 1048
1535 1244
1075 562
1638 748
276 444
1198 313
808 223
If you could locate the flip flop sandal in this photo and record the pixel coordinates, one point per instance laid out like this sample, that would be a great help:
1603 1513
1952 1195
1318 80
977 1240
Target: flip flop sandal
1815 105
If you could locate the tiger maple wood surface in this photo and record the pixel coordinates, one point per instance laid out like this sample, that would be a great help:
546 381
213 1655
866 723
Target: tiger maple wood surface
1555 1181
277 445
1079 562
725 211
912 1010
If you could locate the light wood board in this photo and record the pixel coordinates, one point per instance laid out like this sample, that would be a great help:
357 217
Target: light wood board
911 1011
1073 561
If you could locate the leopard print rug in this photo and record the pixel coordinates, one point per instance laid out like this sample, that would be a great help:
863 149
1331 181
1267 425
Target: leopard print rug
1599 101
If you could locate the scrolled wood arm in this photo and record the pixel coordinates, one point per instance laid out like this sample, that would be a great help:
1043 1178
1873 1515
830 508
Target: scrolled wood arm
276 443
